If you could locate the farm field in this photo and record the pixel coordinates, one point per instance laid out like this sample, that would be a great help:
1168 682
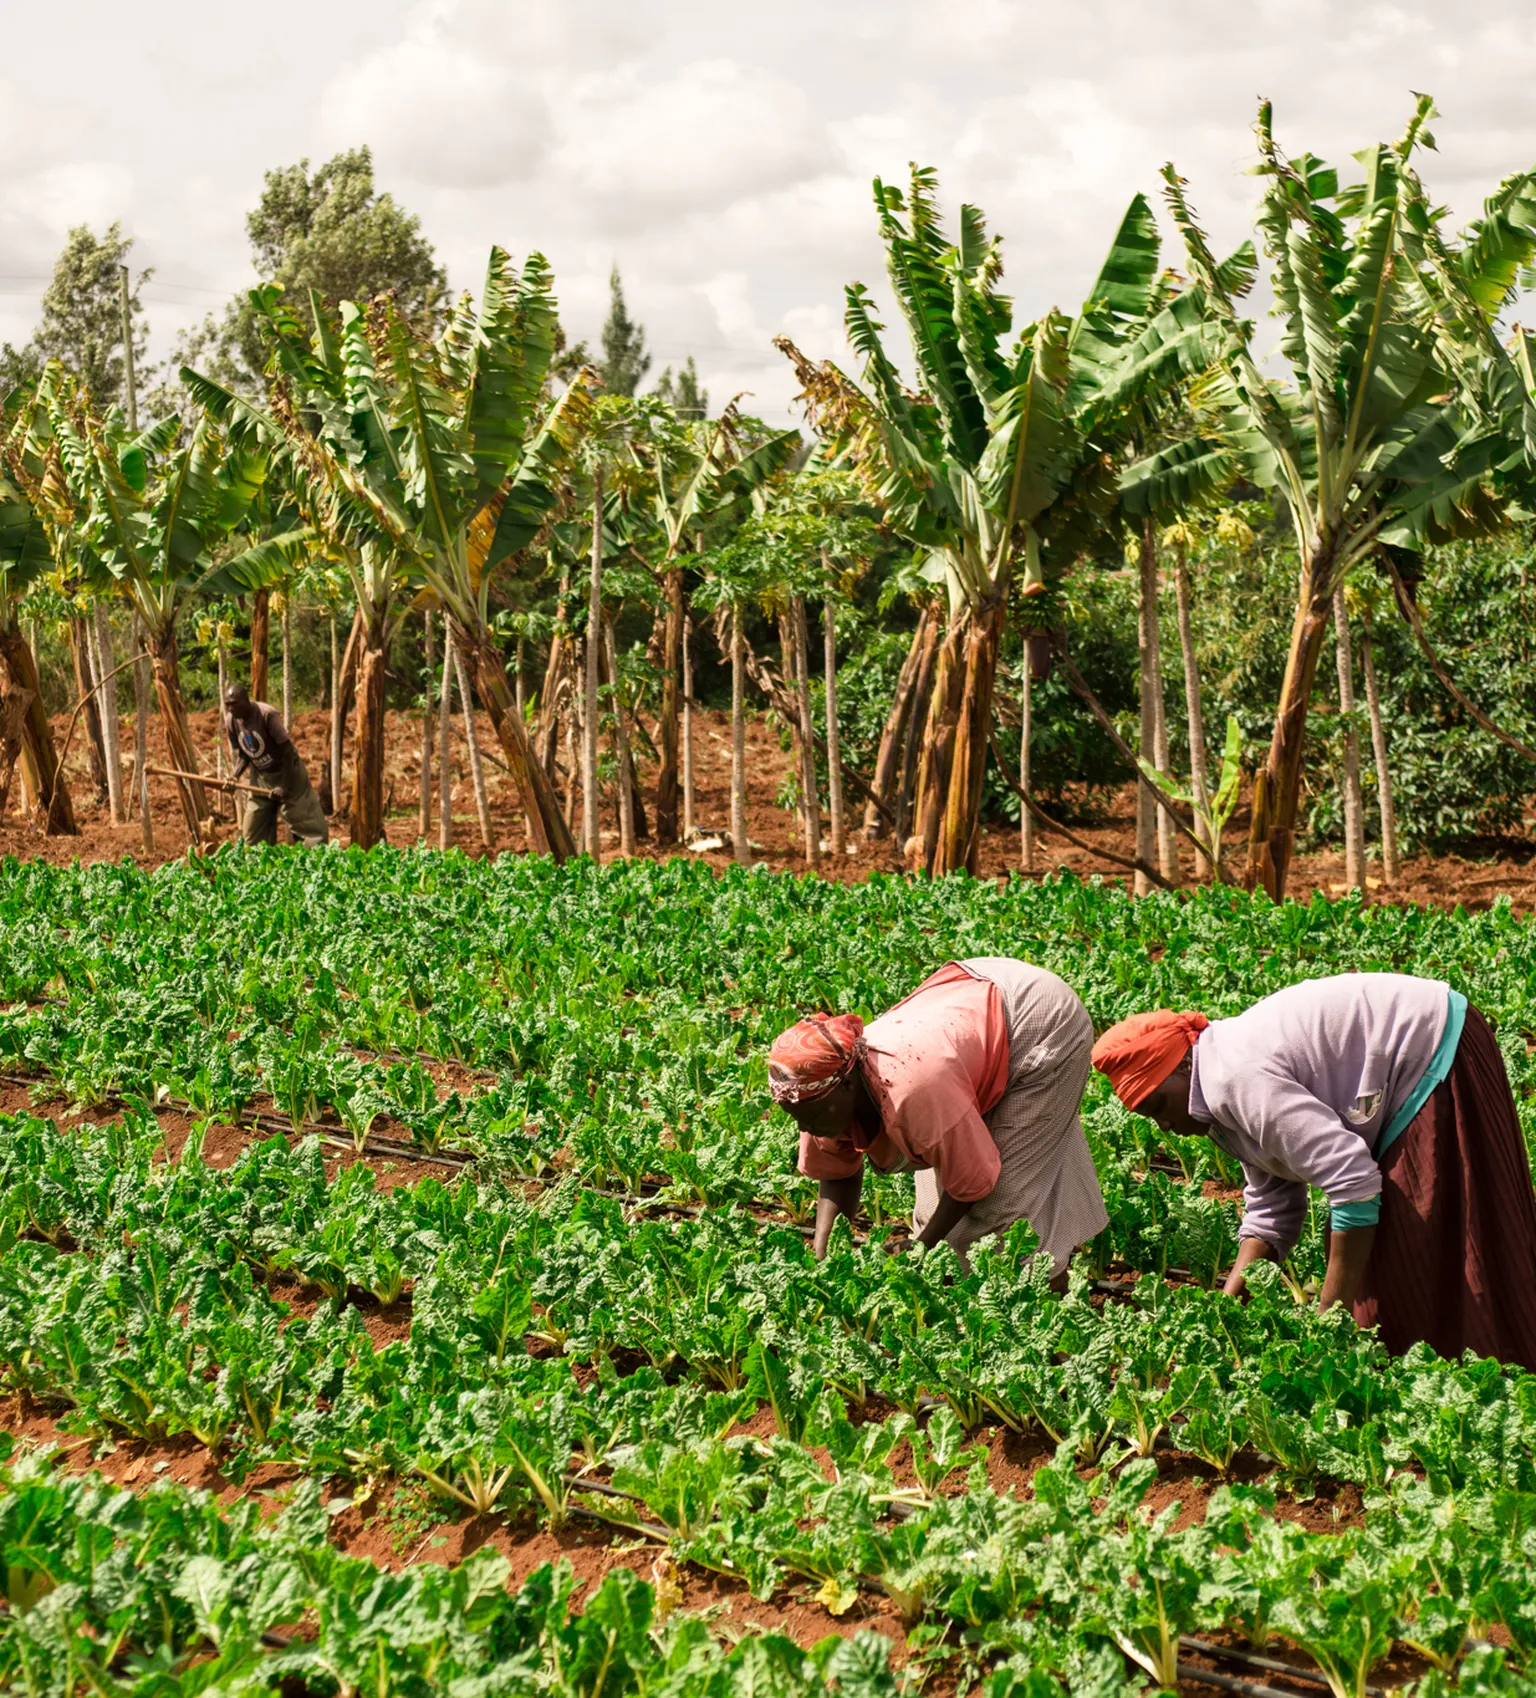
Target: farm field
404 1289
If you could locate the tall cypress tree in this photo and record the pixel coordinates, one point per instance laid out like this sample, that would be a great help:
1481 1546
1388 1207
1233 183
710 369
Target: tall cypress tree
684 391
624 360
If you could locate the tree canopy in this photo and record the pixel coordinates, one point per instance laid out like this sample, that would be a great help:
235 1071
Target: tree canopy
81 324
330 231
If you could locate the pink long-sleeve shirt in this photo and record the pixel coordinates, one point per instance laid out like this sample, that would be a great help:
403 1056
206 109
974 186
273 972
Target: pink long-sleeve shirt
937 1062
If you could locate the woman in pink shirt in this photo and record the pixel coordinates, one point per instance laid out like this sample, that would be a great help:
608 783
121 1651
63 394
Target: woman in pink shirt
972 1082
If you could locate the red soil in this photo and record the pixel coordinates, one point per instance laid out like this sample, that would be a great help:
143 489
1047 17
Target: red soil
1439 881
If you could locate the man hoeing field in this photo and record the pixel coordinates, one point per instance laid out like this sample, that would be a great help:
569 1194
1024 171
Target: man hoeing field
973 1082
1388 1094
262 745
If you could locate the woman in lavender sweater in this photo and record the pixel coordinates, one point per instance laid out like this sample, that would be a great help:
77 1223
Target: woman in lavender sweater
1389 1095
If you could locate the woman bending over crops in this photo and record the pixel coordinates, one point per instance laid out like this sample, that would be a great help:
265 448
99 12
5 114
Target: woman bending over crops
974 1083
1388 1094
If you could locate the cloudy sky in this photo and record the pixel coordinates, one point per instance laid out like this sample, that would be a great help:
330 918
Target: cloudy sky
721 154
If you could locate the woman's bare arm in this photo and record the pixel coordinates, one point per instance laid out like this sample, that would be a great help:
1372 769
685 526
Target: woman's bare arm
835 1197
1251 1250
947 1215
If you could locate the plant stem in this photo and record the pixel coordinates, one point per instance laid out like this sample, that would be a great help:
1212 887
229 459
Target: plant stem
739 839
1354 820
472 744
621 748
590 837
336 737
1026 818
801 645
1386 803
445 745
1194 713
428 730
690 824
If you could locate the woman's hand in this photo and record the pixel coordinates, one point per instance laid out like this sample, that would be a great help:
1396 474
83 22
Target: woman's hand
1251 1250
835 1197
947 1214
1348 1252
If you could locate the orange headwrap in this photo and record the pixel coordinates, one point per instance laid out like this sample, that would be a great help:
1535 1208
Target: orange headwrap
814 1055
1139 1053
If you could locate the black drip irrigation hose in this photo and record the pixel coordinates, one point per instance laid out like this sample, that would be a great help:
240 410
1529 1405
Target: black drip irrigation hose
460 1161
1270 1665
1228 1682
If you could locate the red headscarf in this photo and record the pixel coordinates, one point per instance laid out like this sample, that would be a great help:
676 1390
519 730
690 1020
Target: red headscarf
814 1055
1139 1053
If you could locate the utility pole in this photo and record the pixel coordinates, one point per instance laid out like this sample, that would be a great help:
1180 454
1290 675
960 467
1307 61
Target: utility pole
130 393
141 684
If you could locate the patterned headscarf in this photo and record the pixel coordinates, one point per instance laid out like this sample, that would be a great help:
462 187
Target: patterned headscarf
814 1056
1138 1054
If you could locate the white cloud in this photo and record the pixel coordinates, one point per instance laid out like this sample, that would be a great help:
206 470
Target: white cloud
724 164
713 132
438 113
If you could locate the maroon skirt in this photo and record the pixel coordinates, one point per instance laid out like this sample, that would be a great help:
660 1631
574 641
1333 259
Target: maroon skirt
1454 1259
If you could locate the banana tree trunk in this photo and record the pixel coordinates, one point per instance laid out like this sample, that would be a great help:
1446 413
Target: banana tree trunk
141 688
893 735
548 833
40 760
1354 808
1194 712
287 662
346 685
916 729
955 739
14 701
178 738
367 823
85 690
1277 784
1386 803
547 734
672 671
261 642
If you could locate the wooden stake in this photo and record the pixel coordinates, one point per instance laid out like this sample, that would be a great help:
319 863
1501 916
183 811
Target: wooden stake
472 744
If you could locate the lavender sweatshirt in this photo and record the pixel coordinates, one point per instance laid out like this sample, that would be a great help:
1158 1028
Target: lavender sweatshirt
1303 1084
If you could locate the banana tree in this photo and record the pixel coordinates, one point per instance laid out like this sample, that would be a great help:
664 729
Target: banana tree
1003 462
422 462
146 514
1407 416
703 473
25 557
